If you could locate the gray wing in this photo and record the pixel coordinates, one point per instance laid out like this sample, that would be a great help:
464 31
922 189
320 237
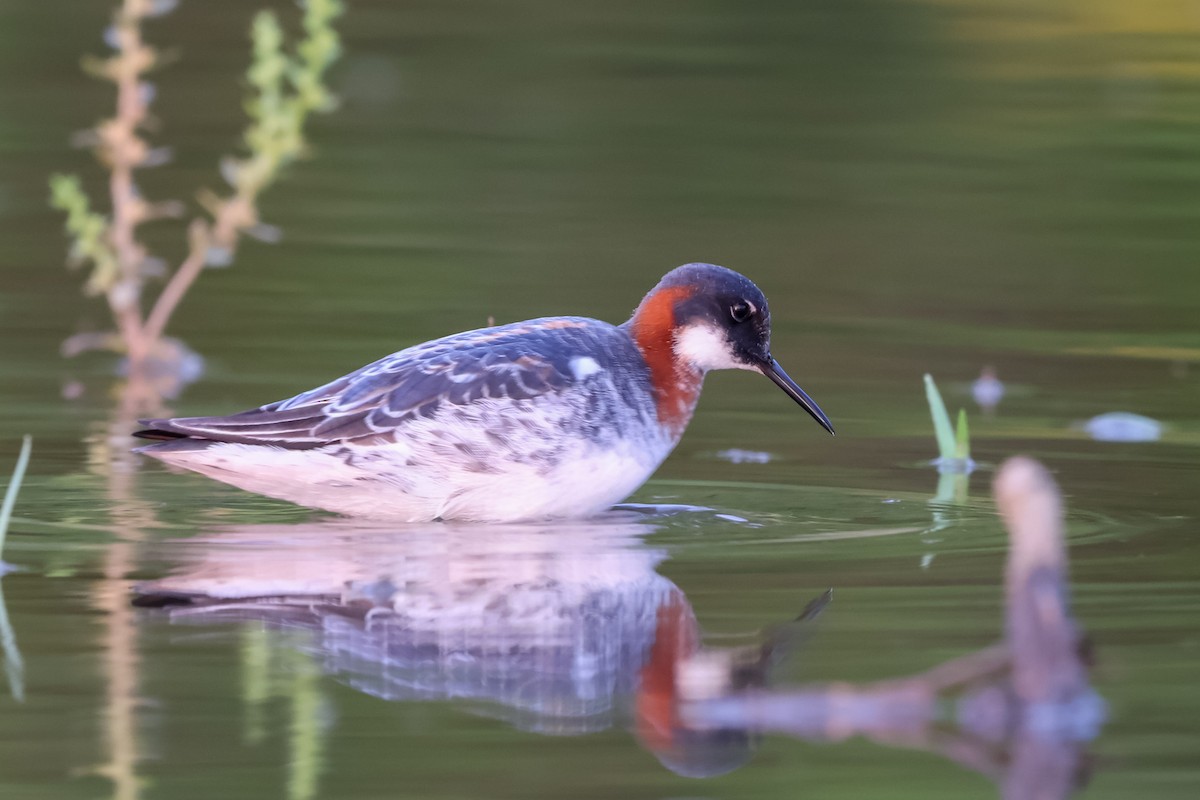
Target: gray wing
521 361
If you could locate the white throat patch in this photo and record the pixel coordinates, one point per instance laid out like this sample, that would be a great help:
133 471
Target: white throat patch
706 348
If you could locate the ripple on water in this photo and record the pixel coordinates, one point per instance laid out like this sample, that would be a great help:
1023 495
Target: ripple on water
740 514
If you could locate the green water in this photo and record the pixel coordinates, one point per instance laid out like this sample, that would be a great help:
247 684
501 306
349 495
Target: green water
917 186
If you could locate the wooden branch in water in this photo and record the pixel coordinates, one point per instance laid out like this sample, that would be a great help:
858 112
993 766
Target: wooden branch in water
1024 704
1041 635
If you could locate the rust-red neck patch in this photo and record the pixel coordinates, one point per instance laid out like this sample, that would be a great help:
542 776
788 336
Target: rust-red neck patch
676 638
676 385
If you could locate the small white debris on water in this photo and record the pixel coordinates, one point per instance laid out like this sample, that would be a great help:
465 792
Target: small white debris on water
583 366
987 390
739 456
1121 426
926 560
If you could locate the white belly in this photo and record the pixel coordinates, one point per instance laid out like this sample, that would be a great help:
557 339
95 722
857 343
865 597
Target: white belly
381 482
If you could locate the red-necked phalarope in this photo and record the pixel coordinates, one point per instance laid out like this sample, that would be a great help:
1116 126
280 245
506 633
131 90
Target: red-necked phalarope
550 418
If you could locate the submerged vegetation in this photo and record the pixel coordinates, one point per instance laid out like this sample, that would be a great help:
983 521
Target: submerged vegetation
286 87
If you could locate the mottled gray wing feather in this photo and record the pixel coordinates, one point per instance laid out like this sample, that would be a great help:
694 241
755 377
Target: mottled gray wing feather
521 361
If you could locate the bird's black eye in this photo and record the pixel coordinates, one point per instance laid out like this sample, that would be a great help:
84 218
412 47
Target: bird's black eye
741 311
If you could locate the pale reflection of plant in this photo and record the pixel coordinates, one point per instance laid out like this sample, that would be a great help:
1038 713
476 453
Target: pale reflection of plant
1024 708
267 672
122 668
306 741
109 457
14 664
286 89
256 682
555 629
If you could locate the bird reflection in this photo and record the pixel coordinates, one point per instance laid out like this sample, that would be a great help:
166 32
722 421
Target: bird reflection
571 629
557 630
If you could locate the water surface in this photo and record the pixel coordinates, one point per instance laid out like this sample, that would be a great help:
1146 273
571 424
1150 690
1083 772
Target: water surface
917 186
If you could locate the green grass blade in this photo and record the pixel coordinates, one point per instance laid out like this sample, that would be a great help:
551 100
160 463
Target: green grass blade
963 438
941 420
14 486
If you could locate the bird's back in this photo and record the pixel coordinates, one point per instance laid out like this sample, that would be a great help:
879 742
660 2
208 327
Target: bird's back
532 419
542 360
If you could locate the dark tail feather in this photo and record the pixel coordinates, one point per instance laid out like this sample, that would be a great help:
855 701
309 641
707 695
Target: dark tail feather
159 435
162 599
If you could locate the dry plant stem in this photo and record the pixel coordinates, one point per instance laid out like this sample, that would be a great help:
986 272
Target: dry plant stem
231 215
180 282
285 89
237 213
124 152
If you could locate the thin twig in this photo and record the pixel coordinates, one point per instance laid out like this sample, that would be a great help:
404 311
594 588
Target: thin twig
180 282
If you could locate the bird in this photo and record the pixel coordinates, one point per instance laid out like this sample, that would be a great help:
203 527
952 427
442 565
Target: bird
550 418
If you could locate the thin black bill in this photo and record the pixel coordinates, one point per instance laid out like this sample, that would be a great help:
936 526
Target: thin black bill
775 372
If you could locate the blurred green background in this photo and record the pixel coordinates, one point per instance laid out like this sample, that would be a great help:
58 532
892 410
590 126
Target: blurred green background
917 186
